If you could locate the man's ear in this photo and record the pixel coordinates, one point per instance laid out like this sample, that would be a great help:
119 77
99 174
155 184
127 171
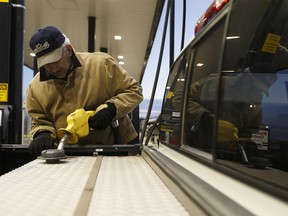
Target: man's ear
69 49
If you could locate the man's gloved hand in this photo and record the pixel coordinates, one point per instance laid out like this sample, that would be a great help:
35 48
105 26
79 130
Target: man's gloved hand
206 121
226 131
41 141
103 117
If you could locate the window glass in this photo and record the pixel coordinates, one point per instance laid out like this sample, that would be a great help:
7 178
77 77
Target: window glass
273 138
171 111
252 112
241 40
202 91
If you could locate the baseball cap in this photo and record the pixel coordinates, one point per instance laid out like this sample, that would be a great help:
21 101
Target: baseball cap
263 76
46 44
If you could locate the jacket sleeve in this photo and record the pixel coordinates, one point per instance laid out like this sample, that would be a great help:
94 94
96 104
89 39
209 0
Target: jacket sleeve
196 108
124 91
37 114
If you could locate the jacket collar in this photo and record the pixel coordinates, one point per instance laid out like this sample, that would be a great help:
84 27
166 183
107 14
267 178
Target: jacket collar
44 75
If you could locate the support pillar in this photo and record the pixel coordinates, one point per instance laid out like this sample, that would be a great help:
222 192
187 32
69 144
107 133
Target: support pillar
91 34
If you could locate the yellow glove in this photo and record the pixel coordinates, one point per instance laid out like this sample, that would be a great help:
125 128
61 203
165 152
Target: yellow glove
227 132
77 125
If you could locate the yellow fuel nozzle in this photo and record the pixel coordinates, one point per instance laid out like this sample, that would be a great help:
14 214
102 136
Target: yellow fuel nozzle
77 125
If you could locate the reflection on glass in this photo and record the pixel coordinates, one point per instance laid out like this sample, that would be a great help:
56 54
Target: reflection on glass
170 116
275 118
241 114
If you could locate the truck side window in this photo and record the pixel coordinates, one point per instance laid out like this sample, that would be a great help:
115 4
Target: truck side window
273 136
171 111
202 91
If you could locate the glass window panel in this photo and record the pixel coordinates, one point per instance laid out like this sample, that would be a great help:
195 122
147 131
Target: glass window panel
253 105
171 112
198 125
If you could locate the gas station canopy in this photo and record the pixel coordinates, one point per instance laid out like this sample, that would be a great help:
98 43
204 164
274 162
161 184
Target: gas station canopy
135 21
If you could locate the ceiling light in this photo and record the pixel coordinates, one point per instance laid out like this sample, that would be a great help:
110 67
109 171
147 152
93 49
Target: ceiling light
200 64
232 37
120 57
32 54
121 63
181 80
117 37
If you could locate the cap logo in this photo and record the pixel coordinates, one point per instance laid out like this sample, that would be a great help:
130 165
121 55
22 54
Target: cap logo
41 47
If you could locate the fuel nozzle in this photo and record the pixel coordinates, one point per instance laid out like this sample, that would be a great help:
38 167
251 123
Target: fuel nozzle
55 155
77 126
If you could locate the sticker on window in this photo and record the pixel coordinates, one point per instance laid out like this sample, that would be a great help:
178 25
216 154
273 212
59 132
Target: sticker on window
271 43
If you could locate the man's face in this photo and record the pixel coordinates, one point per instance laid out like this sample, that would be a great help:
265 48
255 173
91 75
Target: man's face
60 68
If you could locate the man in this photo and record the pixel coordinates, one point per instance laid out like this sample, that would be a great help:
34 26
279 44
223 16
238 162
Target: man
69 80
